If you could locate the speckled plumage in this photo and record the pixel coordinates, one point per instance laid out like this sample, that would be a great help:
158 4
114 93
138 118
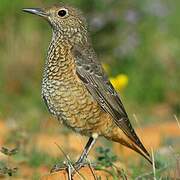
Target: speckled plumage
75 87
66 96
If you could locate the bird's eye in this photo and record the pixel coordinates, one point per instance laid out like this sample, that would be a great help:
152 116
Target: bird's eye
62 12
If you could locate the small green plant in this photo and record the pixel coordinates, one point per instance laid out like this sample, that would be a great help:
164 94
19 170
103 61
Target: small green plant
106 161
105 157
7 169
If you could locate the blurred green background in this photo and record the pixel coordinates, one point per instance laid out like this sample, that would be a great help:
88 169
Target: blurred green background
137 38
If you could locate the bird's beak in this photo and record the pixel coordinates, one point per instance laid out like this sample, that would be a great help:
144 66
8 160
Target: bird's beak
37 11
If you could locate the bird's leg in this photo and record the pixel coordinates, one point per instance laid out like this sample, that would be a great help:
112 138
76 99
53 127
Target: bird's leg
80 163
85 152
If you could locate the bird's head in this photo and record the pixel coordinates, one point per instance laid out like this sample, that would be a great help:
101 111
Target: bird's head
65 20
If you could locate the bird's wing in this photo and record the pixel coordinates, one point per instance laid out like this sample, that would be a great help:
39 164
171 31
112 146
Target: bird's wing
91 73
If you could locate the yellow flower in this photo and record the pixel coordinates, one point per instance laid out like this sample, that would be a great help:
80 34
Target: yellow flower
119 82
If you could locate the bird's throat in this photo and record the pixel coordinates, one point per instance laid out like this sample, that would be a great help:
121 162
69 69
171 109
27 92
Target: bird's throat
59 63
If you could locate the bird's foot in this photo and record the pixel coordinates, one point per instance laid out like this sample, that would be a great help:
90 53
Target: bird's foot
77 166
70 168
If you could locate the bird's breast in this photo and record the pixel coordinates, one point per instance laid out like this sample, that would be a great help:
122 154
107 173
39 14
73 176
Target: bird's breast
66 96
71 102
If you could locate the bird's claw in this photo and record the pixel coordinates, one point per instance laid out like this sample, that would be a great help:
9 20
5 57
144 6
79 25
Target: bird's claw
70 168
77 166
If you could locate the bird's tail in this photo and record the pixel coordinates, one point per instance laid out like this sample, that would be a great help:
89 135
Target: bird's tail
139 151
118 135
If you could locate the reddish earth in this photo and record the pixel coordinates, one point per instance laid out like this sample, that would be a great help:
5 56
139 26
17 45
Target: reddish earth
152 136
84 172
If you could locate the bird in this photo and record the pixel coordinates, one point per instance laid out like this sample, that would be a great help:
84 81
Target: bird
75 87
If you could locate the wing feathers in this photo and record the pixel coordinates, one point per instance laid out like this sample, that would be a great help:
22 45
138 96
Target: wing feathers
91 73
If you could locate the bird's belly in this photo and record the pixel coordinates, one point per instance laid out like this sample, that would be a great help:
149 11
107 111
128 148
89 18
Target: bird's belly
75 107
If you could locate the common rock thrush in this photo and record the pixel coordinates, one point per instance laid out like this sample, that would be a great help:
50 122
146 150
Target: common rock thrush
75 87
